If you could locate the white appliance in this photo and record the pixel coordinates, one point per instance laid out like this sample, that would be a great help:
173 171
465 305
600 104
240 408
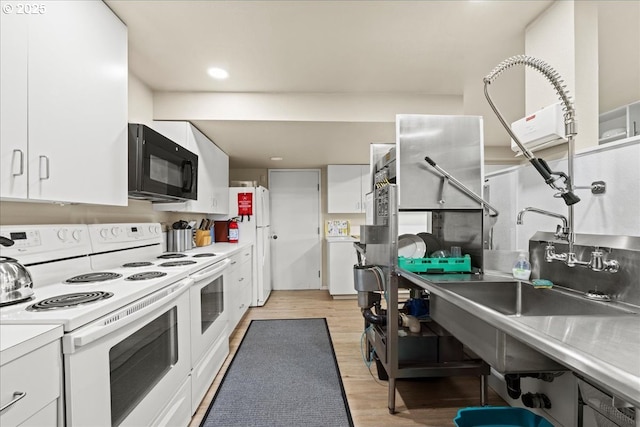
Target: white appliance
255 229
542 129
127 341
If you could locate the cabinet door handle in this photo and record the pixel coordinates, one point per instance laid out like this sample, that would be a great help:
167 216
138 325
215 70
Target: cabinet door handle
17 395
46 167
21 162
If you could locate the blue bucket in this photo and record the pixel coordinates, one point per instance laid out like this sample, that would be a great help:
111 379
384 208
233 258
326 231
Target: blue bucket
499 416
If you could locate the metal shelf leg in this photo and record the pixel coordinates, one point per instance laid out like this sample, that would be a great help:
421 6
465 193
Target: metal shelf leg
392 395
483 390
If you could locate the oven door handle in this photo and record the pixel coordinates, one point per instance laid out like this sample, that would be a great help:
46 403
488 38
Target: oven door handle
215 269
125 316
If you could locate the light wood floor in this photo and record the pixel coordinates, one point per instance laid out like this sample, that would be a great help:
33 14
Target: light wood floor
424 402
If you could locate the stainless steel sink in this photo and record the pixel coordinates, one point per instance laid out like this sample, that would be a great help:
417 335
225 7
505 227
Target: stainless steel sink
522 299
467 319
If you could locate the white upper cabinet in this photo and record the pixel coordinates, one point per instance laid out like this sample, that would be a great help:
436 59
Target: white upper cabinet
347 186
213 170
64 104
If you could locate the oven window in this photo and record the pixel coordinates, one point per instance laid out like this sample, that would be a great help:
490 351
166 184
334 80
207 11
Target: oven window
211 303
141 360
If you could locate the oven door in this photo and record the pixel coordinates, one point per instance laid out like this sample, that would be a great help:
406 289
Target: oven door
208 315
122 370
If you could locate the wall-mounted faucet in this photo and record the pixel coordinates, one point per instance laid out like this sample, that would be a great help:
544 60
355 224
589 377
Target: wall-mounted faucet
562 231
596 262
559 181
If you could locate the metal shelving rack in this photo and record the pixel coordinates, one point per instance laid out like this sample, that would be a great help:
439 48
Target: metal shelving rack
379 243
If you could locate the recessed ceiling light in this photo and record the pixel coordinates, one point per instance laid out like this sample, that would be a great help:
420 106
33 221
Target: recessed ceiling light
218 73
276 159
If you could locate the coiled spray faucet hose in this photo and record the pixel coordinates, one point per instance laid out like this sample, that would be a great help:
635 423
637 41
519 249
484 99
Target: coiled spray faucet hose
556 81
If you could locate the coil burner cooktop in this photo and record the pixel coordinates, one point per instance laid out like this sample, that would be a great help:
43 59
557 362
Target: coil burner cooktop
138 264
100 276
69 300
146 275
177 263
171 256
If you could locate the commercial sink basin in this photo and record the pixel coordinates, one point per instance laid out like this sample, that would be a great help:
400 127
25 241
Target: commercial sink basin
488 317
522 299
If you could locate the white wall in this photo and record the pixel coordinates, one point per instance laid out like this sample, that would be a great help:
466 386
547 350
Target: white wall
615 212
565 36
140 101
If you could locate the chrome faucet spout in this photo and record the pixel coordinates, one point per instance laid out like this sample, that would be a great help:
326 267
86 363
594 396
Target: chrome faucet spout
561 232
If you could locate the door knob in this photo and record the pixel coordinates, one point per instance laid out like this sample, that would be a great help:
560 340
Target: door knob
274 237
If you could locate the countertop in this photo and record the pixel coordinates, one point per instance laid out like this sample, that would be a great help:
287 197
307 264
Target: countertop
336 239
18 340
221 248
604 349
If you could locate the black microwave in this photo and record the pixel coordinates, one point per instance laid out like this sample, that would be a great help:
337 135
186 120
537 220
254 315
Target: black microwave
159 169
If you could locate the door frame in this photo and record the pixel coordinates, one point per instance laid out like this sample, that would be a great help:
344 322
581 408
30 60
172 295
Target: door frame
318 171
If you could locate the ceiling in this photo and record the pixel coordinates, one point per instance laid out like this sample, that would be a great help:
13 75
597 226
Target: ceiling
394 48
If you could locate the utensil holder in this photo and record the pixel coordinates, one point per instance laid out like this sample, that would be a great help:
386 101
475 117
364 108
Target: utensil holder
203 238
179 240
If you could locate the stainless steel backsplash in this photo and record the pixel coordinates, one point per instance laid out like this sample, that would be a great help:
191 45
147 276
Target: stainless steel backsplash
622 286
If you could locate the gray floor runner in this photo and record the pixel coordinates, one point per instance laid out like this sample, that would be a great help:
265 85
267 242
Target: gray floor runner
284 374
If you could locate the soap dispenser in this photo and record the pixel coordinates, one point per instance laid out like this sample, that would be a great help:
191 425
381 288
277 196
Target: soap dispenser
522 267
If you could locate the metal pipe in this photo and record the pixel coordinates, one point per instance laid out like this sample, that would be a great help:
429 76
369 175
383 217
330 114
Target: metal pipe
565 224
462 187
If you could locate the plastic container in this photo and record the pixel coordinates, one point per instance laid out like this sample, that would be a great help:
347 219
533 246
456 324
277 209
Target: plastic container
499 416
436 265
522 268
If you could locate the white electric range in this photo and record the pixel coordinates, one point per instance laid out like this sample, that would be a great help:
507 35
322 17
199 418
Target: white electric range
126 311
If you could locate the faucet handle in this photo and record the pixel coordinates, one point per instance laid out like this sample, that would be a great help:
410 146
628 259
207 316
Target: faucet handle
596 262
561 232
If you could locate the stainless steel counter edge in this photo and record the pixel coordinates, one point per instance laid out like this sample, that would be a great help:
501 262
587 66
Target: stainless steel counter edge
624 384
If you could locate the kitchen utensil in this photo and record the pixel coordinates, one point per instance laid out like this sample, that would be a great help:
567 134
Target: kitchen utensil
411 246
15 281
180 225
179 240
432 242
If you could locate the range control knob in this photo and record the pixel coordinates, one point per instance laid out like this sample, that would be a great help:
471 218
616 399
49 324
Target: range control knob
62 234
76 234
104 233
115 231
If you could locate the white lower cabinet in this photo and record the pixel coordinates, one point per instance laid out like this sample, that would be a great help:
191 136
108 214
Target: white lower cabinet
239 286
341 257
37 375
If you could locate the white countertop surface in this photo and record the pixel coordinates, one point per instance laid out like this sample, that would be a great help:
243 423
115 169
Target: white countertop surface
334 239
221 248
18 340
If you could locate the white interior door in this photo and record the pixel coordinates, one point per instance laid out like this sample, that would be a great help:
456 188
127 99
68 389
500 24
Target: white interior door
296 256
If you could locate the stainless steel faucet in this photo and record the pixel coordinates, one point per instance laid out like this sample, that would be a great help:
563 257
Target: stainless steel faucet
562 232
557 180
596 262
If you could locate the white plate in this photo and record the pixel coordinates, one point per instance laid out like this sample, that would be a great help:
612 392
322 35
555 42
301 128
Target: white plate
411 246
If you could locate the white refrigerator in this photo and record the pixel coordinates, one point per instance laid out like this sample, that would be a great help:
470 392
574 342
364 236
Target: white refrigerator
255 229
